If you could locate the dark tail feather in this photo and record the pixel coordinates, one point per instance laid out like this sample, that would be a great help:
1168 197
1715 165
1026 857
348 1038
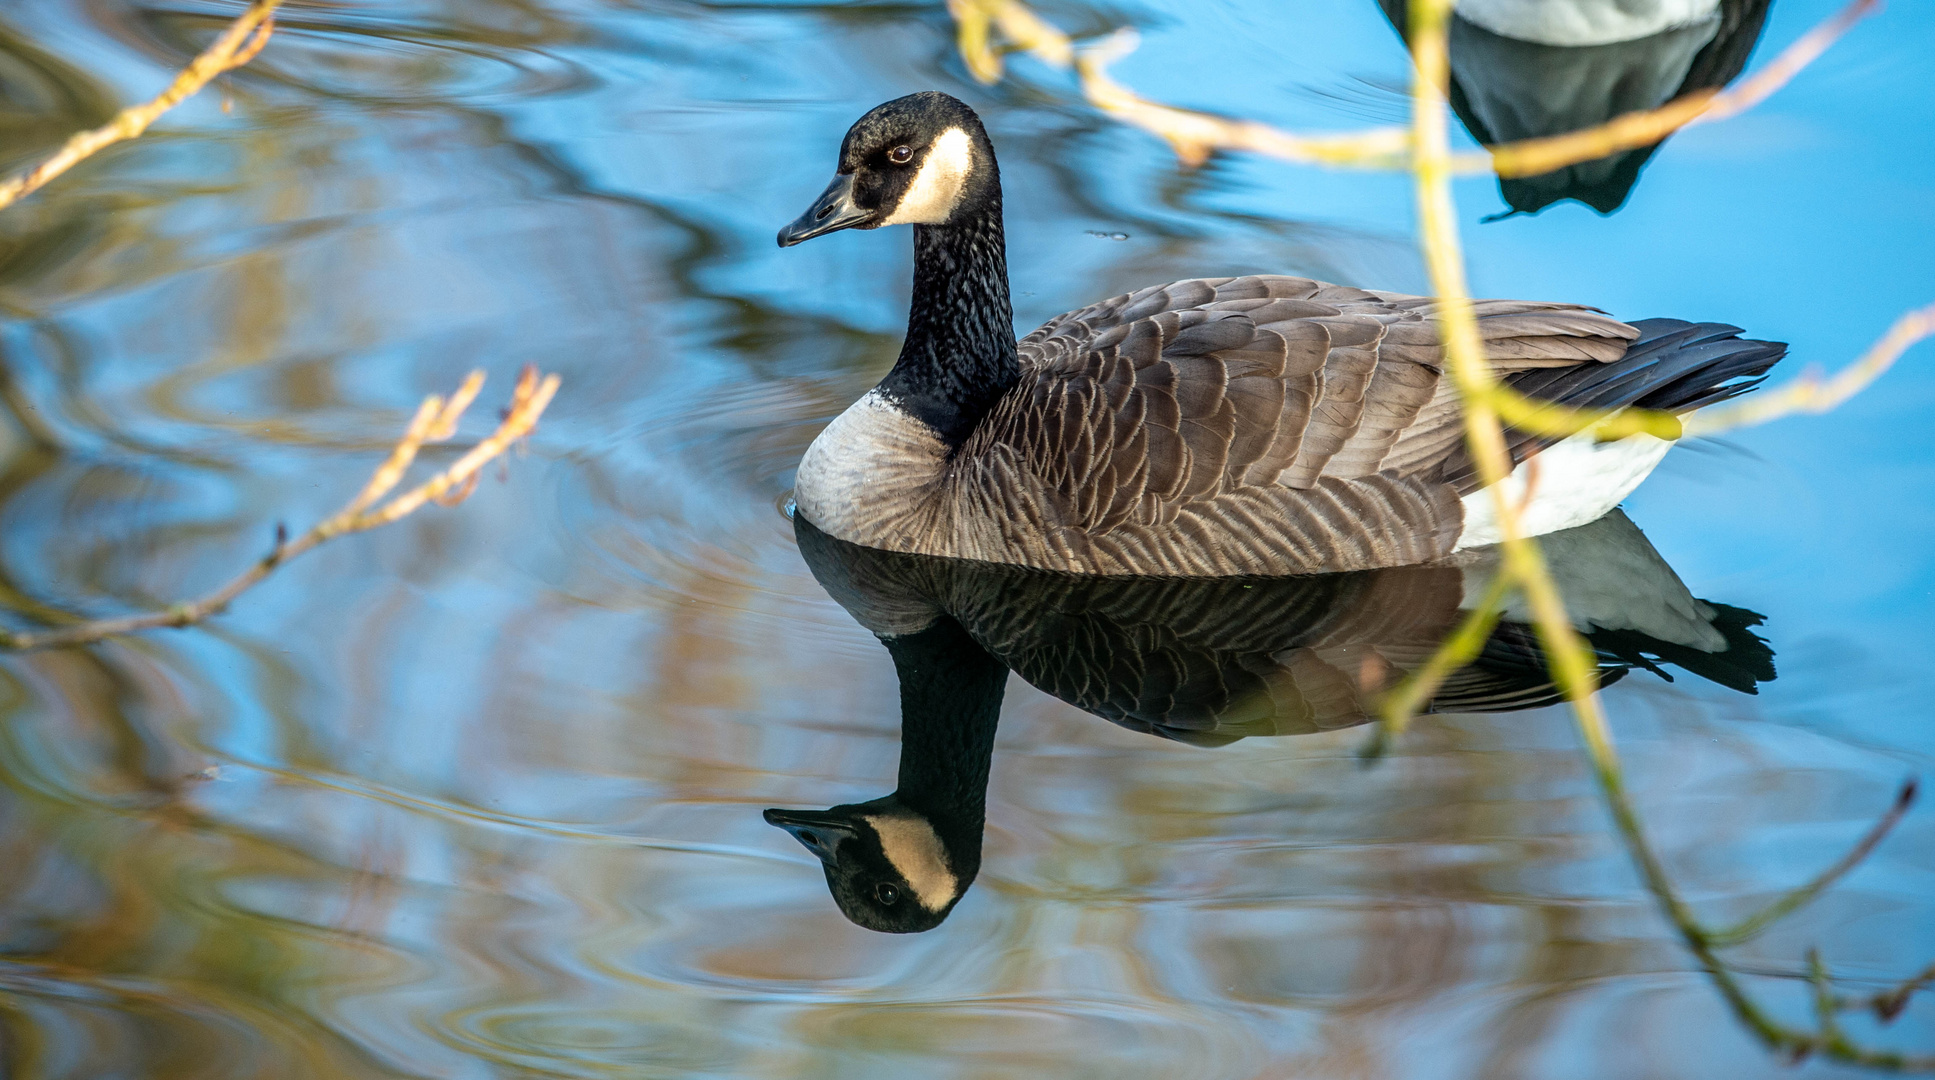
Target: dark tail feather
1510 673
1674 366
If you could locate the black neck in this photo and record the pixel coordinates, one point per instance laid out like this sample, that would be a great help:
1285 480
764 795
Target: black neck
950 701
959 356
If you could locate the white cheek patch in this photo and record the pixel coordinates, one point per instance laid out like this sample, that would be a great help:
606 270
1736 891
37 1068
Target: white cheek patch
938 186
914 849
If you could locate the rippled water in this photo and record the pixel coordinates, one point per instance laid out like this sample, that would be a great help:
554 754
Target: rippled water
479 795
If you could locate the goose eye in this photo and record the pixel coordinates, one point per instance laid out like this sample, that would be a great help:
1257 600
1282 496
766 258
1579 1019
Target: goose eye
901 155
886 893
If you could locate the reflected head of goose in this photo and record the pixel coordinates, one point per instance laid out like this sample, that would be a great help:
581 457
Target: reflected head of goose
887 865
923 159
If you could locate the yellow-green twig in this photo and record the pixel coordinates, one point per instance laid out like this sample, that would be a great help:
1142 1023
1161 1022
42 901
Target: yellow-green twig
1794 899
1407 699
1569 660
1195 135
1489 405
1810 393
1889 1003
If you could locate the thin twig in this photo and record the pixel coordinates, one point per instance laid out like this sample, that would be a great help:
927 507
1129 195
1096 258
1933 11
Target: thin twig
1407 699
236 46
1751 926
1889 1003
435 421
1567 657
1021 26
1195 135
1824 1012
1809 393
1532 157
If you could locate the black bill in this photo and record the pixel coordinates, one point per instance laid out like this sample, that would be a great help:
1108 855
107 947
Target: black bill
833 210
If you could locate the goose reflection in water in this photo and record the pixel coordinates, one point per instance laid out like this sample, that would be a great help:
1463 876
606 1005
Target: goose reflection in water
1204 661
1525 69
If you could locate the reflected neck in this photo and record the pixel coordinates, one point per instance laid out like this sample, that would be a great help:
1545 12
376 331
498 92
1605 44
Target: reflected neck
959 355
950 702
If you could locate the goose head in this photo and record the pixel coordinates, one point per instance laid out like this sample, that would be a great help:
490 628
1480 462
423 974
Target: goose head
923 159
889 867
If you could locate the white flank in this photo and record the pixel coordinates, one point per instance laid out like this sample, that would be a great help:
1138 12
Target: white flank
937 187
1572 482
914 849
1583 22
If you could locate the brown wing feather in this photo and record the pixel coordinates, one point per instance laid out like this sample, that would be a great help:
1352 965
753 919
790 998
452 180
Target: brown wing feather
1244 425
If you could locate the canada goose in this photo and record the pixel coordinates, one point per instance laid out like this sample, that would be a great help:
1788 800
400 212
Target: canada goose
1210 427
1204 661
1524 70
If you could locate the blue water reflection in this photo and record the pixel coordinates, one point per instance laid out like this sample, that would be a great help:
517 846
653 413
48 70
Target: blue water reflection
486 786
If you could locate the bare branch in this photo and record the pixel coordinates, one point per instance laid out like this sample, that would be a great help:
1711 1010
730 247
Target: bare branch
1020 25
1889 1003
1830 1037
1751 926
1489 405
435 421
1531 157
236 46
1408 698
1570 662
1195 135
1809 393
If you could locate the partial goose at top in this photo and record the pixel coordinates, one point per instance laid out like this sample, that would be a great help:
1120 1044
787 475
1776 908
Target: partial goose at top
1211 427
1526 69
1202 661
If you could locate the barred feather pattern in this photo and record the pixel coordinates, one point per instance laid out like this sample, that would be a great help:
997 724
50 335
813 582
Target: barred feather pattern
1223 426
1208 661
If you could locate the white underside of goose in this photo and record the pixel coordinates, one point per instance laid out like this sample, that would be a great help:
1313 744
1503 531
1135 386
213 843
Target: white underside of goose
1571 483
1583 22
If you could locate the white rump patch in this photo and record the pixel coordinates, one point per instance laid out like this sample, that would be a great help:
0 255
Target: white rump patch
938 186
914 848
1572 483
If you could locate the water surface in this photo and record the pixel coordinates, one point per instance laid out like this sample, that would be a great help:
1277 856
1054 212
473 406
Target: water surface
479 795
